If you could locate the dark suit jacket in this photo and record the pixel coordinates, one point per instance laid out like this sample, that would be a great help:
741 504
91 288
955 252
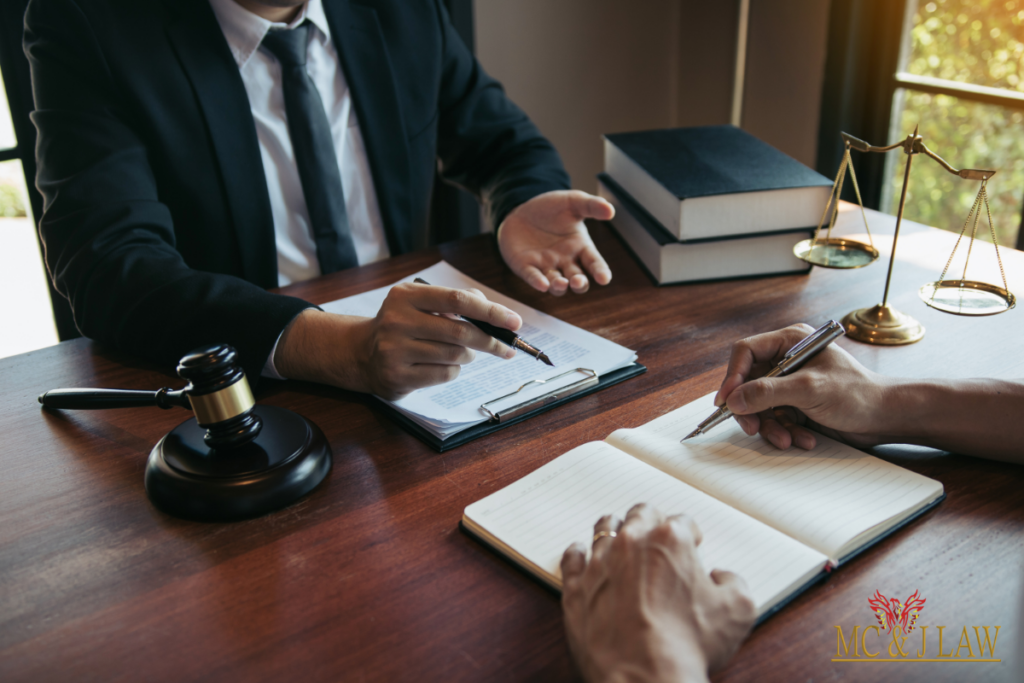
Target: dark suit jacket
157 222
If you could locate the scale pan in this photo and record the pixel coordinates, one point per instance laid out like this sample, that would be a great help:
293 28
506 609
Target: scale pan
835 252
967 297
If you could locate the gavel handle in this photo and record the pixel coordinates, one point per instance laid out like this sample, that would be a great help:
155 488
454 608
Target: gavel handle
97 399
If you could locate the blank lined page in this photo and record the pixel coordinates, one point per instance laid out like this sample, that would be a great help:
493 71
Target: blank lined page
825 497
542 514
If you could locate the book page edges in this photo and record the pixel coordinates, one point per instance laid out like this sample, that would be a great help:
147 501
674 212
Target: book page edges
754 211
545 577
775 607
765 610
870 537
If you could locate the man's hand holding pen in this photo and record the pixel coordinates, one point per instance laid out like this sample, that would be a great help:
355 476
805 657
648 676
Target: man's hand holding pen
832 393
403 348
505 335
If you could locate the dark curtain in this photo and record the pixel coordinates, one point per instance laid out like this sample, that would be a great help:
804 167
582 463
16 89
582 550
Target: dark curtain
1020 232
863 51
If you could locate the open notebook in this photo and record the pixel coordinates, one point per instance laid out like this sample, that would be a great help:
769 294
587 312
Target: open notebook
777 518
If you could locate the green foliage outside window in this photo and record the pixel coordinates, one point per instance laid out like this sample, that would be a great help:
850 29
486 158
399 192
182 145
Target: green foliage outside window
971 41
967 135
11 204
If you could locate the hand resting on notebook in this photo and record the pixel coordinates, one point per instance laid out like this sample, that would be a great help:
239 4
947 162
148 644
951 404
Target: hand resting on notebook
404 348
644 608
839 397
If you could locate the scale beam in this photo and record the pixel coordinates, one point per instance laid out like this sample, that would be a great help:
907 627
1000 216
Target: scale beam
882 324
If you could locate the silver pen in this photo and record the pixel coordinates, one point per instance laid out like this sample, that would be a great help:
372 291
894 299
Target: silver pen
807 349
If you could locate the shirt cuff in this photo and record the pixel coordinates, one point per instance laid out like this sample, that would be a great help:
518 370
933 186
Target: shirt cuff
269 369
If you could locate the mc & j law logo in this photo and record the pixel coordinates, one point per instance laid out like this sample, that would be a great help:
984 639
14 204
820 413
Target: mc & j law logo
894 635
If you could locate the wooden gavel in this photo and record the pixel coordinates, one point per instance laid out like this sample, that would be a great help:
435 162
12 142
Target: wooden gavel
235 459
218 393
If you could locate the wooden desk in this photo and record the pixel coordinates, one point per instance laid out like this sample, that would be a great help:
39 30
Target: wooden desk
369 578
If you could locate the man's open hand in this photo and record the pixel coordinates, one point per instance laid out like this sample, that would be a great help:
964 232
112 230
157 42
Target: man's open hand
545 242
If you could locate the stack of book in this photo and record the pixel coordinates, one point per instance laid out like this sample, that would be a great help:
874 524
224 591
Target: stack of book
710 203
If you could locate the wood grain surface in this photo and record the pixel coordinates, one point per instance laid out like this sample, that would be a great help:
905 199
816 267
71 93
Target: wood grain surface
369 578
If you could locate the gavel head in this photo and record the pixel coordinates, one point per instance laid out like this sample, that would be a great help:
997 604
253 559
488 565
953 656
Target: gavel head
220 396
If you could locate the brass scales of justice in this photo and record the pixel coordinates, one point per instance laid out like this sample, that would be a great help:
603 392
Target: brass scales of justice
883 324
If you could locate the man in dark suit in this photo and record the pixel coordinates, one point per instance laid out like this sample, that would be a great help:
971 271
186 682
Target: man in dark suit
171 177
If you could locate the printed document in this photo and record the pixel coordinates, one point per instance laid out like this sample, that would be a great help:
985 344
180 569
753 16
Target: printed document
446 409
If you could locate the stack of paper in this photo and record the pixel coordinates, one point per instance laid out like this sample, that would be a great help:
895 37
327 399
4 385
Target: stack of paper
446 409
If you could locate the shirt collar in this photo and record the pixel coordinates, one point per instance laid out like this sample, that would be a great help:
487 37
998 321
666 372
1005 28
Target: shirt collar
244 30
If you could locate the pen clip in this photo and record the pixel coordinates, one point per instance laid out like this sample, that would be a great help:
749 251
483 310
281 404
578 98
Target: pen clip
810 339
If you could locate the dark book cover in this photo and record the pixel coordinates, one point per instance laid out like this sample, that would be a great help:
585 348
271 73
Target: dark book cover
713 160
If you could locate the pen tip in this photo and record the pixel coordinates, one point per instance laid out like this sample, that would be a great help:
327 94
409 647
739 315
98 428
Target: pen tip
692 434
544 357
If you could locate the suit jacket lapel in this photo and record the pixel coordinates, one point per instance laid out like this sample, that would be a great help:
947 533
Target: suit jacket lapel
206 59
356 34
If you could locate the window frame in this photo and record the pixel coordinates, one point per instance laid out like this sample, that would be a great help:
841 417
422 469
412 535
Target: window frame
17 84
867 44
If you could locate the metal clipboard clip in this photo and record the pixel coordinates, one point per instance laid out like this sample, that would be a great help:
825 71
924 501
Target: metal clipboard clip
532 404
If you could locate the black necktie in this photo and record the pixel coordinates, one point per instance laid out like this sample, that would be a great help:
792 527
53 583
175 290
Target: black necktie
314 151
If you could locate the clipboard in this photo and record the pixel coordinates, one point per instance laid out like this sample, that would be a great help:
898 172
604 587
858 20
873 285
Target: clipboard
516 413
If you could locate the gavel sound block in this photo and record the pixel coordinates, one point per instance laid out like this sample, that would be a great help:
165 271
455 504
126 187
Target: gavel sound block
234 459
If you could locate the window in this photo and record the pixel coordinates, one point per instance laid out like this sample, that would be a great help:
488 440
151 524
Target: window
25 309
960 75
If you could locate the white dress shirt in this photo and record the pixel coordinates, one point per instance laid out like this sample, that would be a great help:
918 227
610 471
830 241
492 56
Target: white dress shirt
261 75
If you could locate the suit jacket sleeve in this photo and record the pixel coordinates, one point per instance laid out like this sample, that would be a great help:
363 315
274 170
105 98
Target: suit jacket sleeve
109 241
485 143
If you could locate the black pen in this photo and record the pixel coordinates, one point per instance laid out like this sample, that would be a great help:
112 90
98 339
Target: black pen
504 336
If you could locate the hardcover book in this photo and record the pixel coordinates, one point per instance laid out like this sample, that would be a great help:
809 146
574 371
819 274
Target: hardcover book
715 181
669 261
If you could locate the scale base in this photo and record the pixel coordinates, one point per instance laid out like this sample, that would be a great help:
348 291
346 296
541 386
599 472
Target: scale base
186 478
882 325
